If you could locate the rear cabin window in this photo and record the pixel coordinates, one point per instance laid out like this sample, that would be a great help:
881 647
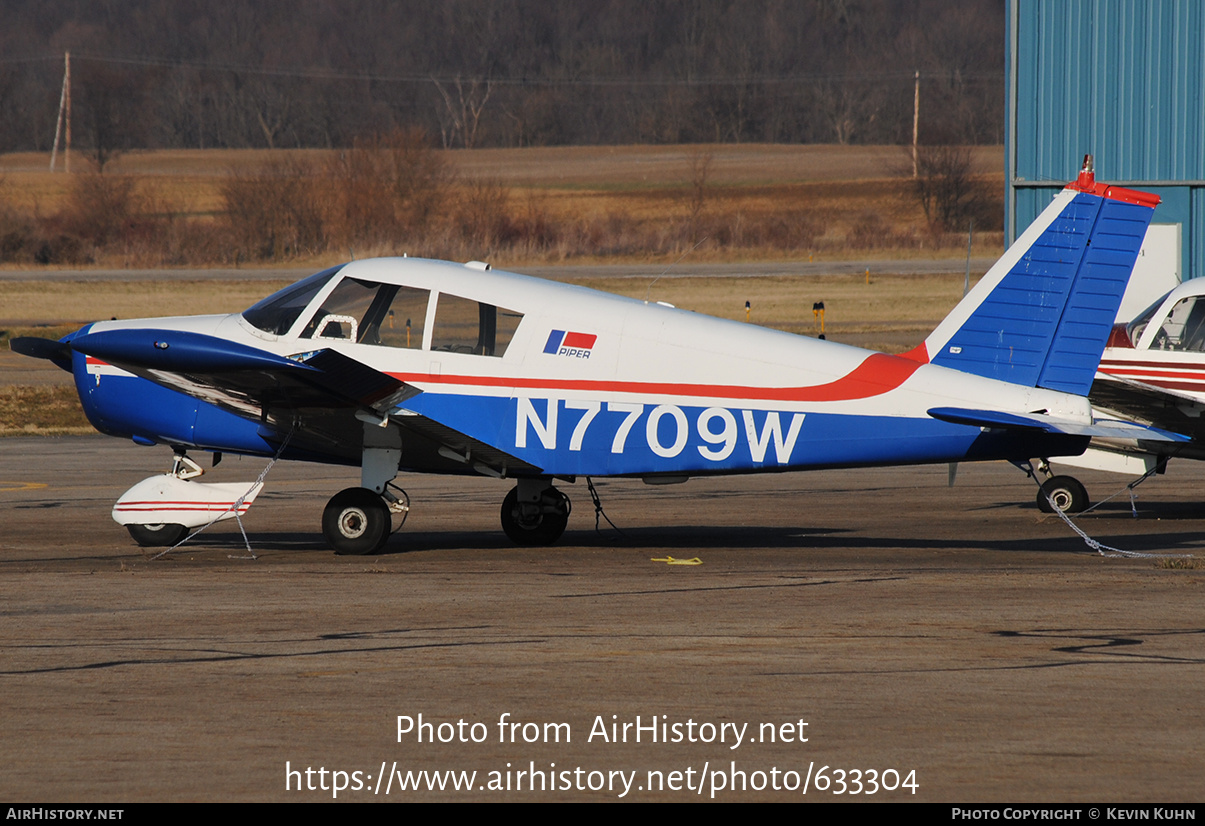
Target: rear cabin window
466 326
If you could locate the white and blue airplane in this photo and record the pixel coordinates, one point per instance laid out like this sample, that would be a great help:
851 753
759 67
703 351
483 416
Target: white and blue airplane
429 366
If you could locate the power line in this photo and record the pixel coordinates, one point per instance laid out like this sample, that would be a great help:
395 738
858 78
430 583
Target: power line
377 77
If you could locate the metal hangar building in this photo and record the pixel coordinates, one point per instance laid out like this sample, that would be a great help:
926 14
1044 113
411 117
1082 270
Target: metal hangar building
1123 80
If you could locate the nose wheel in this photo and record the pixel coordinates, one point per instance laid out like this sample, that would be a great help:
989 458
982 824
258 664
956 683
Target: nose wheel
539 522
356 522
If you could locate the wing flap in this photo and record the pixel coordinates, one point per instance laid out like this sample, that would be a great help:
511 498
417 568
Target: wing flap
1159 406
463 449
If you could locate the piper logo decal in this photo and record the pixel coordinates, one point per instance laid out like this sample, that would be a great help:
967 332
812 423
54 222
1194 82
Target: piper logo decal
575 345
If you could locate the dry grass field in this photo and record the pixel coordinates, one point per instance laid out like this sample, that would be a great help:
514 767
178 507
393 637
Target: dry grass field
748 201
185 177
586 186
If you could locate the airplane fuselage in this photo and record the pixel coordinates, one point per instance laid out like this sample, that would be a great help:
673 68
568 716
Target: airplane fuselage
596 384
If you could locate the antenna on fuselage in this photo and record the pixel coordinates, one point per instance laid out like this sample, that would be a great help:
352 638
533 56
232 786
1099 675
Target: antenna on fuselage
649 291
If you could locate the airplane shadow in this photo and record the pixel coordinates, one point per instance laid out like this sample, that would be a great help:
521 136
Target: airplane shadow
688 540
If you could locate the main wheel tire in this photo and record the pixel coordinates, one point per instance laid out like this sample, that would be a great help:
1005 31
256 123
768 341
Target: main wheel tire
356 522
540 528
157 536
1068 494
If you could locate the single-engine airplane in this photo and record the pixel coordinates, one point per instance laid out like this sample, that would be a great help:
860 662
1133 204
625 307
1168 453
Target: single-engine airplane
414 365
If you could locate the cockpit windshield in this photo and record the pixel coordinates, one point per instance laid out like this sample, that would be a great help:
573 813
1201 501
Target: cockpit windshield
1138 325
278 312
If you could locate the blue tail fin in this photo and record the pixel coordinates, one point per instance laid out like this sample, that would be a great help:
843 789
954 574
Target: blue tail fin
1041 316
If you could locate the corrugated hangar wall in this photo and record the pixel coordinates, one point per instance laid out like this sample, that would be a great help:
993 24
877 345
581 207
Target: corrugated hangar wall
1123 80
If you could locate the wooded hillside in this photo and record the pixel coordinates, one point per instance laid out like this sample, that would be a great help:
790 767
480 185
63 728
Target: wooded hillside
477 73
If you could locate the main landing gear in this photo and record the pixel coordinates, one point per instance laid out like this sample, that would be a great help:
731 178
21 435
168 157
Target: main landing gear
358 521
535 513
1066 492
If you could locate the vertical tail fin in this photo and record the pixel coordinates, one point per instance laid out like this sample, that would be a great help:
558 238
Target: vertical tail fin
1041 316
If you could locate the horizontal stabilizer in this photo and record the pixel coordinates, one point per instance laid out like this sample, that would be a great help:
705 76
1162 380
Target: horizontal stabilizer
1041 422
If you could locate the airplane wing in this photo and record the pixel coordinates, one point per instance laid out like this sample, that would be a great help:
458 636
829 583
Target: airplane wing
1159 406
1045 423
322 396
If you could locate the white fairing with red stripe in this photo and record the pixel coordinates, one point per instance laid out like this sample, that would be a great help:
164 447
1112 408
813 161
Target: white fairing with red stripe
169 499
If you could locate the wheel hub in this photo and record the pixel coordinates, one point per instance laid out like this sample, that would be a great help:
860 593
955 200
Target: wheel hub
352 523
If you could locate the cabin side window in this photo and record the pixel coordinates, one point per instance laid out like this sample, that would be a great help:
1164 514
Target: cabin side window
404 319
466 326
366 312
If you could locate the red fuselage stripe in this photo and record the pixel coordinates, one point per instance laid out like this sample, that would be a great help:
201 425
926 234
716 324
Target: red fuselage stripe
879 374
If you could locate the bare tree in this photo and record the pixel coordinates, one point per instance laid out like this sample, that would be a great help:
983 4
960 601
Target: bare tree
945 188
111 105
463 111
699 167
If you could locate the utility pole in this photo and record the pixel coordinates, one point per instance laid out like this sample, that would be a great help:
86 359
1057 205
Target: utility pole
64 114
915 122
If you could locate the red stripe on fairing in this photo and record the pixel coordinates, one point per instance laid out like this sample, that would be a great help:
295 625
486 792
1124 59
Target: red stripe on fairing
177 506
93 360
156 509
582 341
1126 371
879 374
1163 365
